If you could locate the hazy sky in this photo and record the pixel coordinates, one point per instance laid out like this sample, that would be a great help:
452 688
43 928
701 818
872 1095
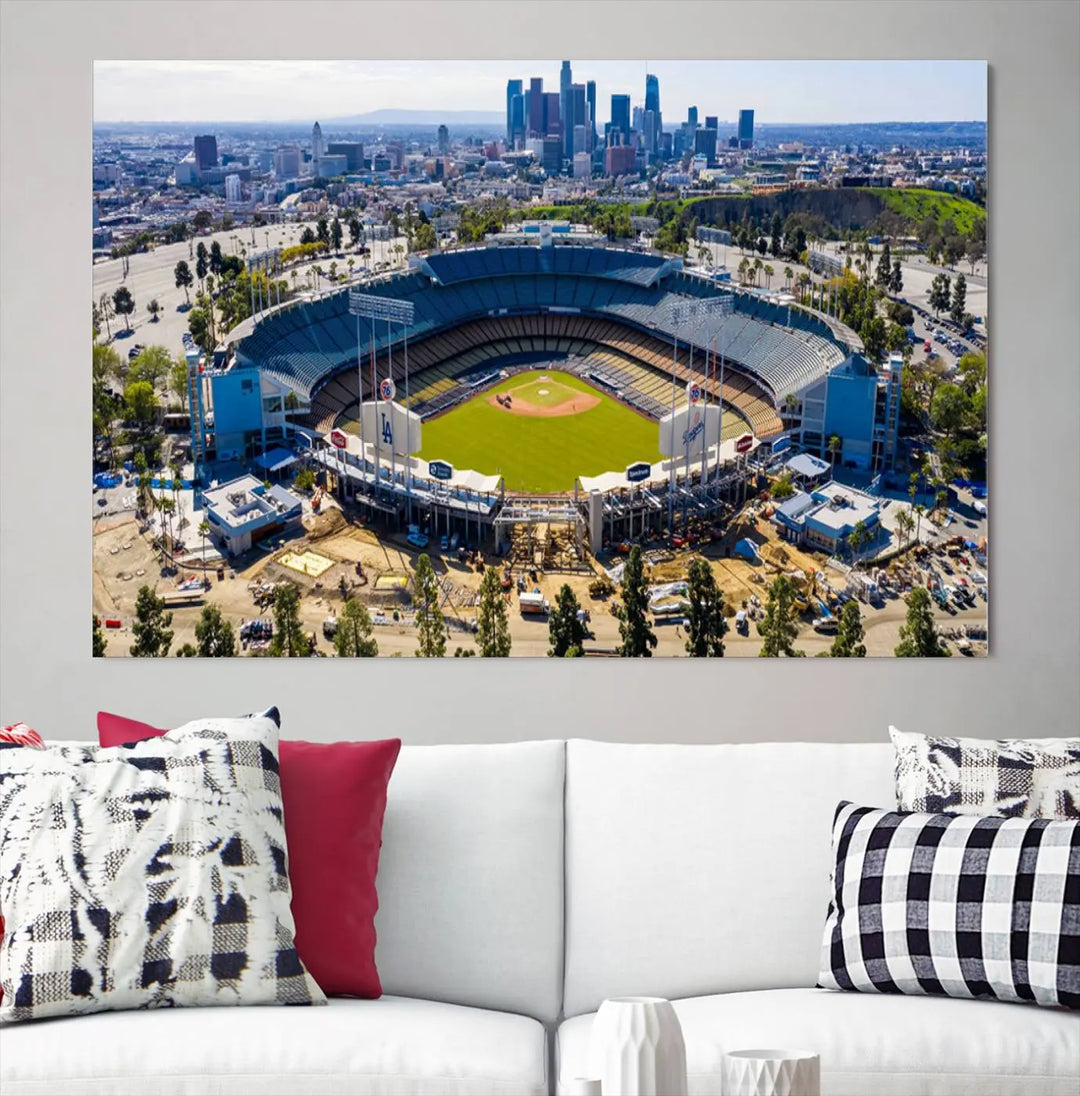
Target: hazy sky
779 91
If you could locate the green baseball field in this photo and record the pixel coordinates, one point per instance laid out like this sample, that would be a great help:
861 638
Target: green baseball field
540 430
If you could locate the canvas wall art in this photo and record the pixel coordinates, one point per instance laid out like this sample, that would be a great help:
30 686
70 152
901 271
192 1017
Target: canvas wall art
541 359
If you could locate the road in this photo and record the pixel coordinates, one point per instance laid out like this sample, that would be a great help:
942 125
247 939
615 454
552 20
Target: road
151 275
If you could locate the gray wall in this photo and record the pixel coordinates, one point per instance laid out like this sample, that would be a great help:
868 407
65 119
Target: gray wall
1030 684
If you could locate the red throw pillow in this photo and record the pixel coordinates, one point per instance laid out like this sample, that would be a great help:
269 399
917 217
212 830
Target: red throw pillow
334 795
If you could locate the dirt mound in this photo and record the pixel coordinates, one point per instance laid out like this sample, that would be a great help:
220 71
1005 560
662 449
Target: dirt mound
325 524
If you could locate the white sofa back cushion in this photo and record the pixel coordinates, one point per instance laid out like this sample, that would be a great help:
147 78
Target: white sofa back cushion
471 877
693 870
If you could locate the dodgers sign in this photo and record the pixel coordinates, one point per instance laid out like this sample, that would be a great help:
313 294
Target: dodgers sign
637 473
391 428
440 470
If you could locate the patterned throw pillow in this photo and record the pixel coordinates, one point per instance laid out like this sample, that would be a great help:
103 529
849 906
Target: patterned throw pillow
954 905
1034 778
147 876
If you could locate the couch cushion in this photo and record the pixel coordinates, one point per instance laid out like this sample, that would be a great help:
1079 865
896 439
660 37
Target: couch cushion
887 1045
703 869
389 1047
471 877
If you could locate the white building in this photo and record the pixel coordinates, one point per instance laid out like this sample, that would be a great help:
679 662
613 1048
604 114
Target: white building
287 162
233 190
318 148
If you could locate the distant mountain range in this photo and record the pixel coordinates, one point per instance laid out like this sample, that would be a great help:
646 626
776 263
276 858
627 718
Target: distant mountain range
390 117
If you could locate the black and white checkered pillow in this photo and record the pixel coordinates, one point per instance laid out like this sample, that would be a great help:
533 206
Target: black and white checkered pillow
1019 778
148 875
954 905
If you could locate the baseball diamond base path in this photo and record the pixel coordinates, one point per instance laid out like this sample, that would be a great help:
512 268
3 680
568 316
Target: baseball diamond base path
539 445
544 399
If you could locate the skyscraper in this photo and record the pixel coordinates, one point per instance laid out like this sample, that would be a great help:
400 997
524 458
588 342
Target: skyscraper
536 107
590 96
579 109
513 88
691 117
205 152
552 117
652 129
619 133
746 129
317 149
444 139
711 122
566 80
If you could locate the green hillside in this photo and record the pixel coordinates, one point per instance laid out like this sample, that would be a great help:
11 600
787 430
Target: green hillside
917 204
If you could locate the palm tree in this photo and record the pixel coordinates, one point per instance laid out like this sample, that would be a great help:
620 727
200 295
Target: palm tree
919 511
350 264
857 539
758 264
905 523
204 532
788 275
834 447
106 306
744 265
768 276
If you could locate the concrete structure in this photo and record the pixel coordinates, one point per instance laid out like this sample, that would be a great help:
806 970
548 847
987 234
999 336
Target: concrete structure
825 517
206 154
244 511
620 160
318 148
582 165
619 127
353 151
233 190
287 162
332 166
746 129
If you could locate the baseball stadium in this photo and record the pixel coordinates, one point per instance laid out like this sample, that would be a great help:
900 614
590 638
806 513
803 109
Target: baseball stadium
542 377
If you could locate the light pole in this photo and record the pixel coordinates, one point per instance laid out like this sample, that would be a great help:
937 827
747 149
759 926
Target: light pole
707 317
393 311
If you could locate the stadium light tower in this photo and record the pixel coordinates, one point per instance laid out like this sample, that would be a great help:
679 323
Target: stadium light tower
393 311
703 318
267 261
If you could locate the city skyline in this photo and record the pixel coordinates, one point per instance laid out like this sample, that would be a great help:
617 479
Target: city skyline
219 92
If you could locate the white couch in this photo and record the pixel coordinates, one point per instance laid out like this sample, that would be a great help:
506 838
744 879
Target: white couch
521 884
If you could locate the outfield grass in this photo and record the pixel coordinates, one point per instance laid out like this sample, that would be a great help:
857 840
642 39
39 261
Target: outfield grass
538 455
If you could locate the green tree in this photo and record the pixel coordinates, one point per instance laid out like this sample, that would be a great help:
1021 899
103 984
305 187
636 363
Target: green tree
141 403
152 365
705 621
123 304
883 275
918 633
896 280
783 488
336 234
307 236
202 221
493 628
959 298
354 229
951 409
635 631
940 295
100 642
322 230
780 626
905 524
107 364
305 480
354 638
858 539
216 258
834 447
178 381
776 234
849 636
431 630
188 650
874 335
214 635
566 632
424 238
153 308
289 640
153 636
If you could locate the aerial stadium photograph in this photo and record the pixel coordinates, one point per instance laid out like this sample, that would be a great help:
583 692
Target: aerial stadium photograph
540 358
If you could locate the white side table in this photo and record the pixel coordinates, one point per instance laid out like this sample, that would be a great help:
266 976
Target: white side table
771 1073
